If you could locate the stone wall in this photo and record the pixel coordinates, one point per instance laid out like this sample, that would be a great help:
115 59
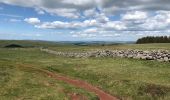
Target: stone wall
159 55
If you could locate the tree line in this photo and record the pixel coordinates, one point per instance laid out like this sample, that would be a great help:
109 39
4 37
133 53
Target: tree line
154 39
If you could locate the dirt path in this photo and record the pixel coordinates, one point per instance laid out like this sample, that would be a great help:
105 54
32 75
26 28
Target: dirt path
78 83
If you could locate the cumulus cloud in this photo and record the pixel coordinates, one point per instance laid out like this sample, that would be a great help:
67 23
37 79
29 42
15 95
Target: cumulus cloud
125 5
95 32
33 21
102 18
66 25
65 8
83 35
107 6
58 25
161 21
91 30
134 15
39 11
64 12
89 33
111 35
114 25
106 17
109 25
90 13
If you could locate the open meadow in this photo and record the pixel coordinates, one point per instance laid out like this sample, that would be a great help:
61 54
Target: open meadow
123 78
84 49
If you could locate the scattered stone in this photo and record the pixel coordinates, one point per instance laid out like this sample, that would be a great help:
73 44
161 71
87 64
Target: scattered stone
166 59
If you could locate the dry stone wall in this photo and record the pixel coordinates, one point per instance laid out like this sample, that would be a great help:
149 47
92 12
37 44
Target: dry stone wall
159 55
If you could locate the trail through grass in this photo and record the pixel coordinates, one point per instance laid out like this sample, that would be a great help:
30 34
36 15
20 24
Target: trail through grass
18 83
129 79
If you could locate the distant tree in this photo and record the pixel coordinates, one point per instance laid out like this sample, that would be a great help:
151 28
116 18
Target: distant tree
13 46
154 39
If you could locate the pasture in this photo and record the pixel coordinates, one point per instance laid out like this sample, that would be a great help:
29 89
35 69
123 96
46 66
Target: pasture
124 78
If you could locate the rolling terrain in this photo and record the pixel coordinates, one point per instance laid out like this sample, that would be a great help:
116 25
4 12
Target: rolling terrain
123 78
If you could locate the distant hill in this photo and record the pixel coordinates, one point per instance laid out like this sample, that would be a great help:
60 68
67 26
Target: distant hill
87 43
33 43
28 43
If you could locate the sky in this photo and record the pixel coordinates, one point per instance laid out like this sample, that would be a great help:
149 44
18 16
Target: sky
83 20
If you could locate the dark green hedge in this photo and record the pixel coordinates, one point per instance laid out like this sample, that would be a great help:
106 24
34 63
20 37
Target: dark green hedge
154 39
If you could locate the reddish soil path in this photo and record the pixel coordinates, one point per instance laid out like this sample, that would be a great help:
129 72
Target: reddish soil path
78 83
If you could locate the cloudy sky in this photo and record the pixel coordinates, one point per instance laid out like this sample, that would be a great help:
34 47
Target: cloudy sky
83 20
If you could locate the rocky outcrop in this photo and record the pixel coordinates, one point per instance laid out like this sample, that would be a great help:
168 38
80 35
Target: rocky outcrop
159 55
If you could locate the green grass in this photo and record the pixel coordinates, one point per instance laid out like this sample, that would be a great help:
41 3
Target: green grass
129 79
125 78
121 77
71 47
18 83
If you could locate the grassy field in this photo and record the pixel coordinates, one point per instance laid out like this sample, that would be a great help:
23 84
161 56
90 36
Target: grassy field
74 48
128 79
20 83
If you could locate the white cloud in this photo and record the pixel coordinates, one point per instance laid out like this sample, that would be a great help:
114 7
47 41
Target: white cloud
33 21
67 25
95 33
79 2
101 23
39 11
111 35
100 17
91 30
135 15
92 22
106 6
83 35
65 8
14 20
57 25
110 10
114 25
110 25
90 13
65 12
86 33
161 21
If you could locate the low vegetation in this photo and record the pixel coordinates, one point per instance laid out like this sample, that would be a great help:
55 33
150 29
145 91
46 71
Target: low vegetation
125 78
13 46
19 83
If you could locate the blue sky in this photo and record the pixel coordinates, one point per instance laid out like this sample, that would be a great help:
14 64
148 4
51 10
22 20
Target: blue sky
83 20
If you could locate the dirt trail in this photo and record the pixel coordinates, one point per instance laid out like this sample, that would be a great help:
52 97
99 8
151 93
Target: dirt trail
78 83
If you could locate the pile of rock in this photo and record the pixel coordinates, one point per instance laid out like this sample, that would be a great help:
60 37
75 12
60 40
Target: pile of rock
160 55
